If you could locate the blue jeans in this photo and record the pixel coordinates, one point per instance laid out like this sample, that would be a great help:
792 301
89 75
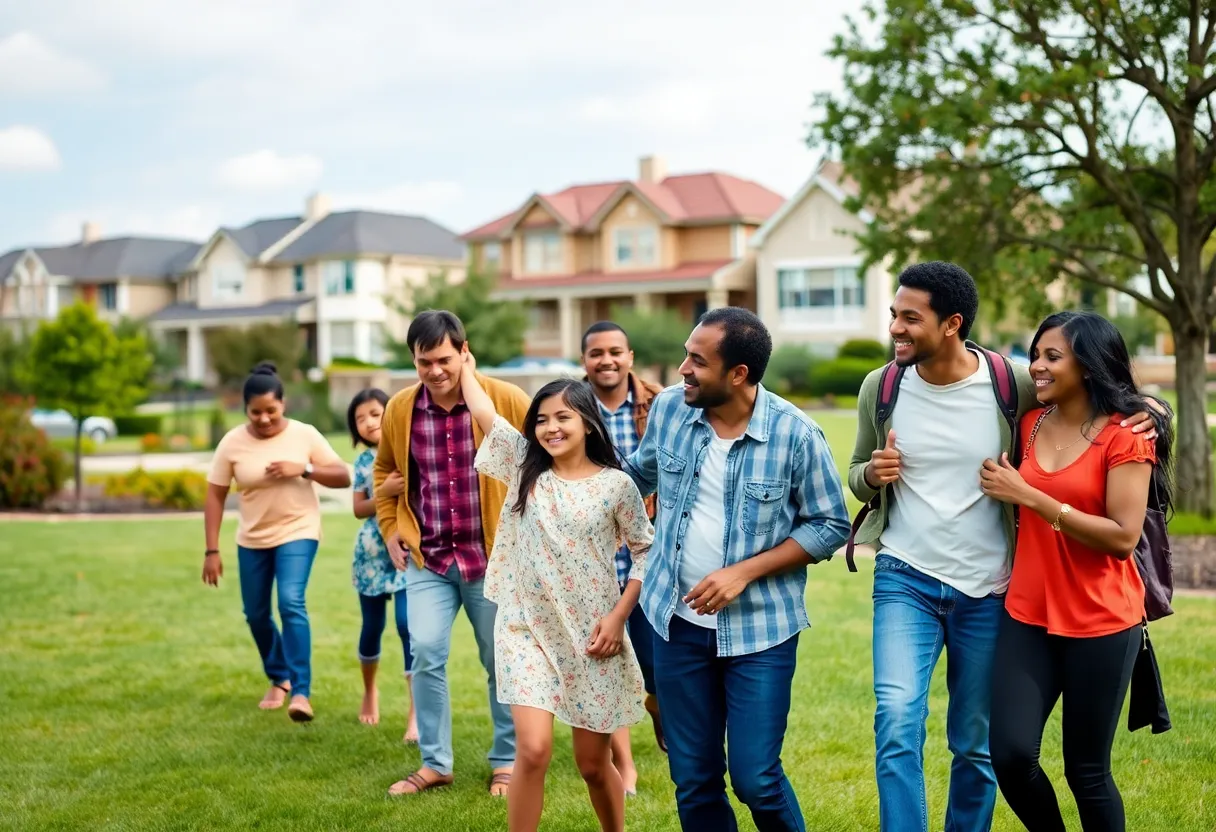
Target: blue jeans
915 616
434 601
286 657
375 614
642 636
742 701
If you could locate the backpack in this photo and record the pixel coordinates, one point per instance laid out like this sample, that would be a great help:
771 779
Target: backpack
1004 386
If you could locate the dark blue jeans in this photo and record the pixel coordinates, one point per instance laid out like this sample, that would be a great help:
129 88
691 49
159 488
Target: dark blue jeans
740 701
375 614
286 657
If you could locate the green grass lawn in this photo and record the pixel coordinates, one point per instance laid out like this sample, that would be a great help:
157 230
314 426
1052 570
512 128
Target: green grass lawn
129 694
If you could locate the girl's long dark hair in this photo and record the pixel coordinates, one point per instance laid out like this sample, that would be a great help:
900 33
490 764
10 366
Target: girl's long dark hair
578 397
1107 366
361 398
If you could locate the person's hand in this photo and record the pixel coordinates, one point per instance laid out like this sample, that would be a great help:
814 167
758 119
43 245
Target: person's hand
396 552
393 485
716 590
607 637
213 569
884 464
1001 481
284 470
1142 422
470 362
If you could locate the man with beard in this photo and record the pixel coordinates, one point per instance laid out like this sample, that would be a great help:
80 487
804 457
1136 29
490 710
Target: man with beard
944 549
624 401
440 531
749 497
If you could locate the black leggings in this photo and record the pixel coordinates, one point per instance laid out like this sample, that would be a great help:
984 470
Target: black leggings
1033 670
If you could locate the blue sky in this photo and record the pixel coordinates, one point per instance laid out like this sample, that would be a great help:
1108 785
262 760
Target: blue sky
173 118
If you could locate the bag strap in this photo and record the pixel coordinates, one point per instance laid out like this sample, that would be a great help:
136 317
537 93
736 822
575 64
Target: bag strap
1035 431
888 391
856 527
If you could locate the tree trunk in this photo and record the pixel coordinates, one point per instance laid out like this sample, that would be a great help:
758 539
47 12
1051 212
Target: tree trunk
79 476
1192 446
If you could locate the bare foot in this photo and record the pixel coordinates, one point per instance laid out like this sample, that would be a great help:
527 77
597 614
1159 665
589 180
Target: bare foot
500 782
411 731
300 710
629 776
369 714
422 780
275 697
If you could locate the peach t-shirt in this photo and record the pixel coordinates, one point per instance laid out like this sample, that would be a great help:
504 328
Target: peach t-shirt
273 512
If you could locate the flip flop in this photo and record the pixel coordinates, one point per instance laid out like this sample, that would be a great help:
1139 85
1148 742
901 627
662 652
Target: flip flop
283 686
419 783
502 778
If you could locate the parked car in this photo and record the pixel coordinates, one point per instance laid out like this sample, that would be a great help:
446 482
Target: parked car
59 423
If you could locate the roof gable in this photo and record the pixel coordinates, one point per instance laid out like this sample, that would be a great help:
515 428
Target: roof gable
828 177
369 232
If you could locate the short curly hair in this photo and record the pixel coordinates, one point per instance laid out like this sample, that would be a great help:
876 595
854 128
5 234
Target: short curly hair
745 340
951 291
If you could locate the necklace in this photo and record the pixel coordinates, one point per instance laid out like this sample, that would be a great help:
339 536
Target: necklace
1073 442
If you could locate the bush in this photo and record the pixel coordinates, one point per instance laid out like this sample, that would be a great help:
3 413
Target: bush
171 490
789 369
349 362
138 424
151 443
216 427
32 469
865 348
67 445
842 377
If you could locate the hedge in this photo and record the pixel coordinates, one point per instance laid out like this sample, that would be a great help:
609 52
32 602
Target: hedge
139 424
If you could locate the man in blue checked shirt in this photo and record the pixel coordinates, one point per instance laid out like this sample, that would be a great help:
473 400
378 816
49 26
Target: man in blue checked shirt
748 497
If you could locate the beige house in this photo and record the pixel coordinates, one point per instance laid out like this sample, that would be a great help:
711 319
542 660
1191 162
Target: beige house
810 287
658 242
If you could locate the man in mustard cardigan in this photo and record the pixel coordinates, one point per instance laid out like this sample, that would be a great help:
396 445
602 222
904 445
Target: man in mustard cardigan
438 518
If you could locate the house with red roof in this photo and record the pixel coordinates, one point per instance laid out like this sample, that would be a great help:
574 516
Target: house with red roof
659 241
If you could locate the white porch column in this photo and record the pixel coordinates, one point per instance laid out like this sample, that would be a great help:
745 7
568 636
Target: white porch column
196 355
363 340
122 298
568 326
717 298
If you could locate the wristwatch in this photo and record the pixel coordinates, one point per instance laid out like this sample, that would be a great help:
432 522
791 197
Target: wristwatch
307 471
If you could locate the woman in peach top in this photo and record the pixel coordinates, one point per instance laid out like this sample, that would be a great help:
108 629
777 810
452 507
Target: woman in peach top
1075 608
274 461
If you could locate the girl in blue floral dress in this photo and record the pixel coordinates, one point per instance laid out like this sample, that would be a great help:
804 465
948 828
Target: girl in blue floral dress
374 576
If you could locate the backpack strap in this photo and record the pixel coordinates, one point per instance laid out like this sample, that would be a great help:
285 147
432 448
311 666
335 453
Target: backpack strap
888 391
1005 386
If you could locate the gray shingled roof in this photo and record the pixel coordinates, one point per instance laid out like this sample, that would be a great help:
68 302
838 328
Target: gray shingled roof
262 234
138 257
368 232
191 312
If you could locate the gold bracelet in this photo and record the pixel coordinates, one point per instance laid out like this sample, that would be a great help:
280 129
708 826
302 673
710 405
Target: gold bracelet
1064 509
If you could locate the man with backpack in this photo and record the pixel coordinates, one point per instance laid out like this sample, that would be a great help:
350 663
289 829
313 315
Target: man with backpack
944 549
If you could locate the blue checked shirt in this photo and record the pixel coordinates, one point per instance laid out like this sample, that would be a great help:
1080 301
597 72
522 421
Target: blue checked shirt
781 482
625 440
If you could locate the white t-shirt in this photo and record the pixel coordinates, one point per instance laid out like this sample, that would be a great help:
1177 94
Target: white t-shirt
703 551
941 523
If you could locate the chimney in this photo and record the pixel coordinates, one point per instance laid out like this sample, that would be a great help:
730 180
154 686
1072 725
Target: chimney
90 233
316 207
652 169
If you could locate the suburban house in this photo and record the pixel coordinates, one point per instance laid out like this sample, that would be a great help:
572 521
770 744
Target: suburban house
810 287
121 277
675 242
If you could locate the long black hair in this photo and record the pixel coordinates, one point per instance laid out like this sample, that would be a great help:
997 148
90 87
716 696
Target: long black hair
1103 356
361 398
578 397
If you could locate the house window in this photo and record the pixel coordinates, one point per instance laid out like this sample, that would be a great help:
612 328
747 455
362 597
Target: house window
543 252
635 246
297 274
339 277
491 255
341 340
820 296
543 317
227 280
107 296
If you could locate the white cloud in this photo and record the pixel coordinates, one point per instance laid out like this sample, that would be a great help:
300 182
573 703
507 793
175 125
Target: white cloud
267 170
27 148
426 198
29 66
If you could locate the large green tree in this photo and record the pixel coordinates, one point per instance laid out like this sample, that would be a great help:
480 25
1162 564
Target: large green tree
1034 140
78 362
234 351
495 328
656 336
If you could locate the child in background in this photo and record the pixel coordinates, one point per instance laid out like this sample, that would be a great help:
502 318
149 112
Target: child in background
373 574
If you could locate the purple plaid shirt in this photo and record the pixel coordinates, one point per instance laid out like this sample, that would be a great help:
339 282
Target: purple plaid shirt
444 488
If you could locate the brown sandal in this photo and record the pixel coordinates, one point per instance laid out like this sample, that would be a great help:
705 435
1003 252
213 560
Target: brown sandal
502 778
417 784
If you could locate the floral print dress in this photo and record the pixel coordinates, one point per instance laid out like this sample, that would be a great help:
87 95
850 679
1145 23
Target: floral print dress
553 576
372 572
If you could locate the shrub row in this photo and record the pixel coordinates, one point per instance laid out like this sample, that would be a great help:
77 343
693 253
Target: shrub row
170 490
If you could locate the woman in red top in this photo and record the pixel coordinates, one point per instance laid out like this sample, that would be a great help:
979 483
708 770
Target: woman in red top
1073 615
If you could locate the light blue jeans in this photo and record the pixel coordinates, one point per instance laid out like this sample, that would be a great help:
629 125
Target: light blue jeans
286 657
915 616
433 601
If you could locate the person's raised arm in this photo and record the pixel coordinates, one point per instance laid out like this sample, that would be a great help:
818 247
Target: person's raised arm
475 398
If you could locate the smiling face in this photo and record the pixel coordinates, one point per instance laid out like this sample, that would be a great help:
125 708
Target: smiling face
560 430
707 382
266 415
367 421
915 328
607 360
1057 374
439 368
